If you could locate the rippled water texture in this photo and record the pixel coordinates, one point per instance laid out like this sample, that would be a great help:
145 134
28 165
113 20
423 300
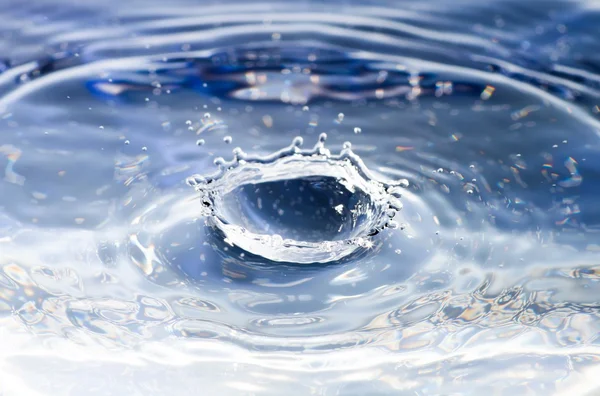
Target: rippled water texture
452 249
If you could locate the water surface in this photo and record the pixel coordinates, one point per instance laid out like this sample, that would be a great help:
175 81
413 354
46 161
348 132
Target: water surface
452 249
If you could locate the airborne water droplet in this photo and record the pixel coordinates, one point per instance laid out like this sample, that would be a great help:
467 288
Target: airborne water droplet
200 142
228 139
357 130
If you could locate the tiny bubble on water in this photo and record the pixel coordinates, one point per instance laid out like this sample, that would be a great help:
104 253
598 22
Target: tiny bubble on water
357 130
228 139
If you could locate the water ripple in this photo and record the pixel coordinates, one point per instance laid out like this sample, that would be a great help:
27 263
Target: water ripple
112 267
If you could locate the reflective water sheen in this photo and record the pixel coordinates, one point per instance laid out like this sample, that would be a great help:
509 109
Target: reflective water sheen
300 198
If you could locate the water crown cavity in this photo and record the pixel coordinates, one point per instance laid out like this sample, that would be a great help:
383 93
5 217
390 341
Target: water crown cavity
298 205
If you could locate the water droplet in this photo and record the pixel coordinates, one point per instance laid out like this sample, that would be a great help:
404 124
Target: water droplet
228 139
207 115
398 251
357 130
127 142
144 148
238 153
200 142
188 122
305 108
298 141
